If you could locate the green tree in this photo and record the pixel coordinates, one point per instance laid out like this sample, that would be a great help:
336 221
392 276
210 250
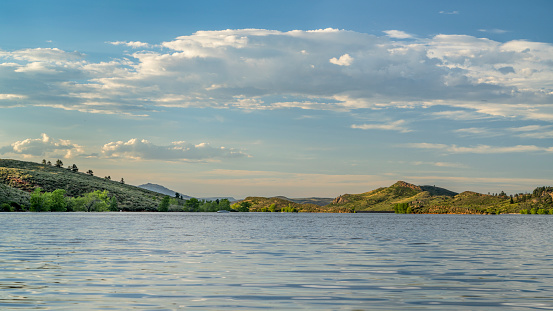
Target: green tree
164 204
192 204
113 204
5 207
90 172
37 201
97 201
59 163
224 204
56 201
244 206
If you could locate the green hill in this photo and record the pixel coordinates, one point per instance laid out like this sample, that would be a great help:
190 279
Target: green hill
279 204
382 199
435 200
18 179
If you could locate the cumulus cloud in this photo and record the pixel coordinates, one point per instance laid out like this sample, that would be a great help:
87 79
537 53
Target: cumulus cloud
44 146
393 126
325 69
179 151
344 60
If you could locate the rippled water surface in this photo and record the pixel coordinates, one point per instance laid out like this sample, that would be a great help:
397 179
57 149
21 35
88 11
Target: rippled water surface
251 261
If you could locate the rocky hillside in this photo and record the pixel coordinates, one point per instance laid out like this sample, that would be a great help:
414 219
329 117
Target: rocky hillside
383 199
19 178
278 204
436 200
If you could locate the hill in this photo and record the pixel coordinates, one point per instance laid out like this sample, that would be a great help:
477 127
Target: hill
436 200
278 204
161 189
383 199
316 201
19 178
172 193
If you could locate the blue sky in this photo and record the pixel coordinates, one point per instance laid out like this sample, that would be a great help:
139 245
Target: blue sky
295 98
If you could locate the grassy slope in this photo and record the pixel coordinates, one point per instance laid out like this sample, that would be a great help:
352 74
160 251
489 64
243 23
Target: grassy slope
21 178
381 199
260 202
431 199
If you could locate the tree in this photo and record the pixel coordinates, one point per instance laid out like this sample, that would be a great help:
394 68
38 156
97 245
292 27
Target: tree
74 168
43 161
107 178
113 204
177 195
164 204
56 201
49 163
122 180
97 201
244 206
37 201
193 204
224 204
90 172
59 163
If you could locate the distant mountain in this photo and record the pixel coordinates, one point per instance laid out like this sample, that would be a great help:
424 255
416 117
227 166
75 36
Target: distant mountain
163 190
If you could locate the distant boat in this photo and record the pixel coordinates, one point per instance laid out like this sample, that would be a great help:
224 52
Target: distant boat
223 211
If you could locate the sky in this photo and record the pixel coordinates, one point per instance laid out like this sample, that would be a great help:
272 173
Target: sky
295 98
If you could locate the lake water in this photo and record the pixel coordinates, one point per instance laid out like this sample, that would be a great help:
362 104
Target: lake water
256 261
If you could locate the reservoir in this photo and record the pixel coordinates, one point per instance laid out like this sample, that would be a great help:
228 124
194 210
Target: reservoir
275 261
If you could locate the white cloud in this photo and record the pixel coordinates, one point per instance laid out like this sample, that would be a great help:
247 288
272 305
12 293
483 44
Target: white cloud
480 149
449 12
178 151
325 69
393 126
494 30
397 34
344 60
132 44
44 146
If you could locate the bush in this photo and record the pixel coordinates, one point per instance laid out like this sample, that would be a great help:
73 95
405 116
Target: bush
5 207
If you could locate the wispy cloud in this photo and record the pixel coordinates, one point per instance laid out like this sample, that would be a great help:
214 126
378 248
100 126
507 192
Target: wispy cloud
449 12
393 126
132 44
179 151
494 31
480 149
398 34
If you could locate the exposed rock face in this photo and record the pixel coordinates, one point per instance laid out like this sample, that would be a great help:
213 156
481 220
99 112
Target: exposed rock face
340 200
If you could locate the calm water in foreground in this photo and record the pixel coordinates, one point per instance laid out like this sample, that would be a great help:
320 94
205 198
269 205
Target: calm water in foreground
252 261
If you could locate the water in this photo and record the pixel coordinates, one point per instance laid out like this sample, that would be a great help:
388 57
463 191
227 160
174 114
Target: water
256 261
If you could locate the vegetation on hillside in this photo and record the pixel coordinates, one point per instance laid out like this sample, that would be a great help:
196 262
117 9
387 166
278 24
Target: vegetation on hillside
278 204
28 186
403 197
